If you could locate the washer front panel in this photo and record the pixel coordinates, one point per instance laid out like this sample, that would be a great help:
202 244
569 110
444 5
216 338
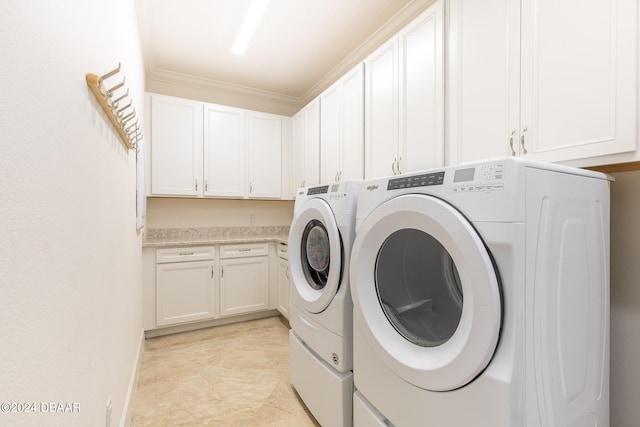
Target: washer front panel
427 290
315 255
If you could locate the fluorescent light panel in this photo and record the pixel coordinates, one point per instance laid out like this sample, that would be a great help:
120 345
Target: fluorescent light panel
251 21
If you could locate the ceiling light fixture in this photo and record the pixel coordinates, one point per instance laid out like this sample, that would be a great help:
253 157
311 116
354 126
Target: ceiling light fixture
251 21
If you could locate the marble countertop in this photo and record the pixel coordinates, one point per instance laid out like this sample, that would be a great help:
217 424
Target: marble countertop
163 237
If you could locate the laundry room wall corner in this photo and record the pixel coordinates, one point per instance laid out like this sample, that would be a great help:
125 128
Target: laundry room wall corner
625 298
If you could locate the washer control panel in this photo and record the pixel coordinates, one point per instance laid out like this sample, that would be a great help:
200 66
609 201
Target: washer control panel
337 191
312 191
487 177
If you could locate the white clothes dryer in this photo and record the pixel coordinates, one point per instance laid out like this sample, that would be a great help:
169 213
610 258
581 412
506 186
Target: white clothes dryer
481 297
321 309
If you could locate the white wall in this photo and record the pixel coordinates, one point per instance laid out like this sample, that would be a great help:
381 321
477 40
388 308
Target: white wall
186 213
625 299
70 256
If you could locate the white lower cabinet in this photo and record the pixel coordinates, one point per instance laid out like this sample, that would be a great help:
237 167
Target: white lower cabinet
185 285
244 278
284 281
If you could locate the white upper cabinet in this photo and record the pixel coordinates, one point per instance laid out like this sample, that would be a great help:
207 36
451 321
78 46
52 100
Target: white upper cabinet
306 145
176 154
421 96
225 172
342 128
552 80
208 150
265 155
404 117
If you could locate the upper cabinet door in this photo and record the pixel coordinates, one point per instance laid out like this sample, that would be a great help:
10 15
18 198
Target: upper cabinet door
312 142
579 77
225 141
404 93
381 111
352 125
330 134
265 156
176 149
306 145
483 78
421 95
555 81
342 128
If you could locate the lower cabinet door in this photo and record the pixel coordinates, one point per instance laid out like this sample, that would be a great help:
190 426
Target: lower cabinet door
185 292
283 287
244 285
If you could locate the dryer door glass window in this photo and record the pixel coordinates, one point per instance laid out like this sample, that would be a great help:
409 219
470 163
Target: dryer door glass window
315 254
418 287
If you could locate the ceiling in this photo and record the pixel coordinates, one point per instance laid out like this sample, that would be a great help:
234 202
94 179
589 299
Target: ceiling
298 49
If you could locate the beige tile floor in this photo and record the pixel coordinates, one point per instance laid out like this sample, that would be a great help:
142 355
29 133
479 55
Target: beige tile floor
231 375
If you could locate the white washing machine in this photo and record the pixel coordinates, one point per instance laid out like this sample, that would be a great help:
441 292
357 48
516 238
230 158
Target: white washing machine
321 309
481 297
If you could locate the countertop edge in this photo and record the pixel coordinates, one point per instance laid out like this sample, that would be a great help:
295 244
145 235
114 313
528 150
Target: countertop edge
213 242
177 237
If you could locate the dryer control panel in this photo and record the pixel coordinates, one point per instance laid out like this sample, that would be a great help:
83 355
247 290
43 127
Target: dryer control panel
422 180
486 177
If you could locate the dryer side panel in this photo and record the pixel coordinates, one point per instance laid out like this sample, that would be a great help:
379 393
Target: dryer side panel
567 301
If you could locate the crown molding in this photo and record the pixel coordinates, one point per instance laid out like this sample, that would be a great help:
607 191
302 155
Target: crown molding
377 39
201 83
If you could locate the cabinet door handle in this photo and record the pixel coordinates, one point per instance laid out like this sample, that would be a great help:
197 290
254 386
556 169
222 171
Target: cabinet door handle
185 253
286 273
212 272
244 250
524 149
206 185
222 271
335 178
399 160
250 187
196 185
513 134
393 166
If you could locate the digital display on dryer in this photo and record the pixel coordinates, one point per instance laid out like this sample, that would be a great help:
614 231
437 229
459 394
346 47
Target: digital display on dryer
464 175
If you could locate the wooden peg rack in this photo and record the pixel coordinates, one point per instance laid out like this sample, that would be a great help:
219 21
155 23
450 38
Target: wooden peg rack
125 122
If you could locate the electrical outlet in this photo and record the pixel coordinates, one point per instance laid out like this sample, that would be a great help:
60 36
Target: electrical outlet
109 409
252 219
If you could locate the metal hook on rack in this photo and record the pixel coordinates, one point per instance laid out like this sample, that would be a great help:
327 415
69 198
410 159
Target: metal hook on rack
127 118
119 113
102 78
110 92
115 102
135 126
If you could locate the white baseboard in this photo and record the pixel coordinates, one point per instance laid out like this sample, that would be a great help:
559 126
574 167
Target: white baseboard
127 411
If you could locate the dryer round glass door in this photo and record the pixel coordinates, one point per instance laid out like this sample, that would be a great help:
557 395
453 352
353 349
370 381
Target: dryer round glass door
315 255
427 292
426 308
